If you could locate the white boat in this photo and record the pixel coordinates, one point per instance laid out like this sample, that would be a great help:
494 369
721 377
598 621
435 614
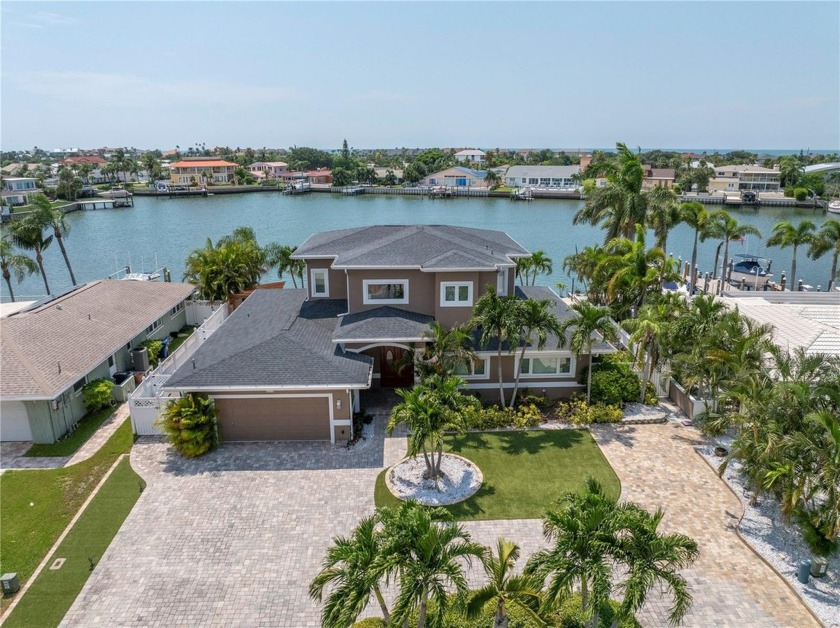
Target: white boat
834 207
753 271
141 276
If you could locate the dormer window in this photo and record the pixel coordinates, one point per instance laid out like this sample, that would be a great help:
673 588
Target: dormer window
456 293
385 291
320 282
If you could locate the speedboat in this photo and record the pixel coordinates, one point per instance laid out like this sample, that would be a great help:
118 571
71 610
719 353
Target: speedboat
751 270
834 207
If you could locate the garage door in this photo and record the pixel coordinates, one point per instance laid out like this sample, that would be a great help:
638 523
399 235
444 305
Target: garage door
274 418
14 422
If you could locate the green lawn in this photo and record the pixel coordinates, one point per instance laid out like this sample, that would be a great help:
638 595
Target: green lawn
68 446
524 472
52 594
36 505
183 334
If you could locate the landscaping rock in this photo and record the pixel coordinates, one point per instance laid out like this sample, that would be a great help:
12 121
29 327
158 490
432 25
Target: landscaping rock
460 480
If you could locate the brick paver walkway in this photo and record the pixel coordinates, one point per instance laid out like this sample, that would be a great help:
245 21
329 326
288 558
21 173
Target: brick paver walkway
659 468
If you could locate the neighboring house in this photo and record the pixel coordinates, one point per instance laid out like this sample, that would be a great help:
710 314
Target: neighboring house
381 173
201 171
542 176
269 169
755 178
84 160
658 177
52 348
471 156
312 176
457 176
291 364
17 190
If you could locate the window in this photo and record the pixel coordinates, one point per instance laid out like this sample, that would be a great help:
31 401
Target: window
456 293
178 309
77 387
546 366
533 181
502 278
384 291
461 181
111 361
476 370
320 282
153 327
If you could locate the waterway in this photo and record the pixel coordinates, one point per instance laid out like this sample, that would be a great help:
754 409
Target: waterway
166 230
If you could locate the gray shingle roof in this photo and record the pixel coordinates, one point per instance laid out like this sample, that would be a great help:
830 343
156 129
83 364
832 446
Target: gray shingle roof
78 331
381 323
428 247
275 339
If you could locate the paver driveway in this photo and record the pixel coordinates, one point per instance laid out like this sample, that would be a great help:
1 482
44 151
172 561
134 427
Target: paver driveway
659 468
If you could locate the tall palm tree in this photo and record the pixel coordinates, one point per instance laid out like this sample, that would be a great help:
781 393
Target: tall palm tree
647 333
447 349
28 233
497 317
280 257
827 239
536 321
621 204
588 320
504 587
726 228
428 557
663 214
541 264
523 268
787 234
54 219
352 570
695 216
15 263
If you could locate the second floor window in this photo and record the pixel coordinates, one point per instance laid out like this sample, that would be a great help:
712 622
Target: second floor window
456 293
320 282
378 292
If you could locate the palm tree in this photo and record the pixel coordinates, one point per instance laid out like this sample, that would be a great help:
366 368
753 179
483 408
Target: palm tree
428 558
280 257
695 216
447 349
648 332
663 214
540 264
728 229
351 569
587 321
786 234
492 178
14 263
522 270
828 239
505 588
230 267
621 204
28 233
496 317
652 559
536 321
56 220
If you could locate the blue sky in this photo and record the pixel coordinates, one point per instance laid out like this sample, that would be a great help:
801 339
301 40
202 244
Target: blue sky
704 75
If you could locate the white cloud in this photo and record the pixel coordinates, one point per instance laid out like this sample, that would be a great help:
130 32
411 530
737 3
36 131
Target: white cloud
128 90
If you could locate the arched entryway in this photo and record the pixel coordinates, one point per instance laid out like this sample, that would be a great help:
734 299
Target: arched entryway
394 370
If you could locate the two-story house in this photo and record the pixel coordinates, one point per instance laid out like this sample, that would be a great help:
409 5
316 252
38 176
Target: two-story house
291 364
201 171
269 169
471 156
17 190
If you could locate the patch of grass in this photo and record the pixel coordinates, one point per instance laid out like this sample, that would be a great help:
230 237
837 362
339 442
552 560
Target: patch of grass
52 594
524 472
183 334
68 446
36 505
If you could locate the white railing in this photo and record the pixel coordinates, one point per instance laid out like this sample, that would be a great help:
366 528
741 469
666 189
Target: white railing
145 402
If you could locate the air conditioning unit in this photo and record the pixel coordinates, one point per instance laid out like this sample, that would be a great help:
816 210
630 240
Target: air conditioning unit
140 359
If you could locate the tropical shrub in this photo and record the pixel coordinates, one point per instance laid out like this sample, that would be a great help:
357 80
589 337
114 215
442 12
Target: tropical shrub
570 615
97 394
153 348
578 412
529 397
494 418
800 194
371 622
190 425
614 382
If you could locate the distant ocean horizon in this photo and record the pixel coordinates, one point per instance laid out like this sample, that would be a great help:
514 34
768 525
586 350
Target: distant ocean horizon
772 152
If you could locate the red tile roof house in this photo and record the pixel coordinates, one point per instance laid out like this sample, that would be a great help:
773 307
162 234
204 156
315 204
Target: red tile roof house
91 160
50 349
323 177
293 364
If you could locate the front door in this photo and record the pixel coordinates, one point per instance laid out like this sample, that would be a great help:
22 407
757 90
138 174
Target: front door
393 369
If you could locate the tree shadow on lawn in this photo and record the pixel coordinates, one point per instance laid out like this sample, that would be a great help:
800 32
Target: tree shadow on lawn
624 435
471 507
515 443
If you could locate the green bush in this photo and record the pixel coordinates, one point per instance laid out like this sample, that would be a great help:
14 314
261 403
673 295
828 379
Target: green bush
190 425
578 412
526 397
371 622
570 614
153 348
493 417
800 194
97 394
613 381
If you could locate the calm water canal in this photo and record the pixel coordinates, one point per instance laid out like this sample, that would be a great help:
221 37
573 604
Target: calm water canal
100 241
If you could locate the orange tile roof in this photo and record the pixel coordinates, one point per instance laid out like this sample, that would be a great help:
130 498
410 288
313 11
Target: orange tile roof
196 163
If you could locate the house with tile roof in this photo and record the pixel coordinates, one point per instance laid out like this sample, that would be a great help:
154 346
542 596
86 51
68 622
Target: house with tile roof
201 171
294 364
52 348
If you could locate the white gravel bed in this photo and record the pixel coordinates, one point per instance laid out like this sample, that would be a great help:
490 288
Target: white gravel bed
461 479
781 545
